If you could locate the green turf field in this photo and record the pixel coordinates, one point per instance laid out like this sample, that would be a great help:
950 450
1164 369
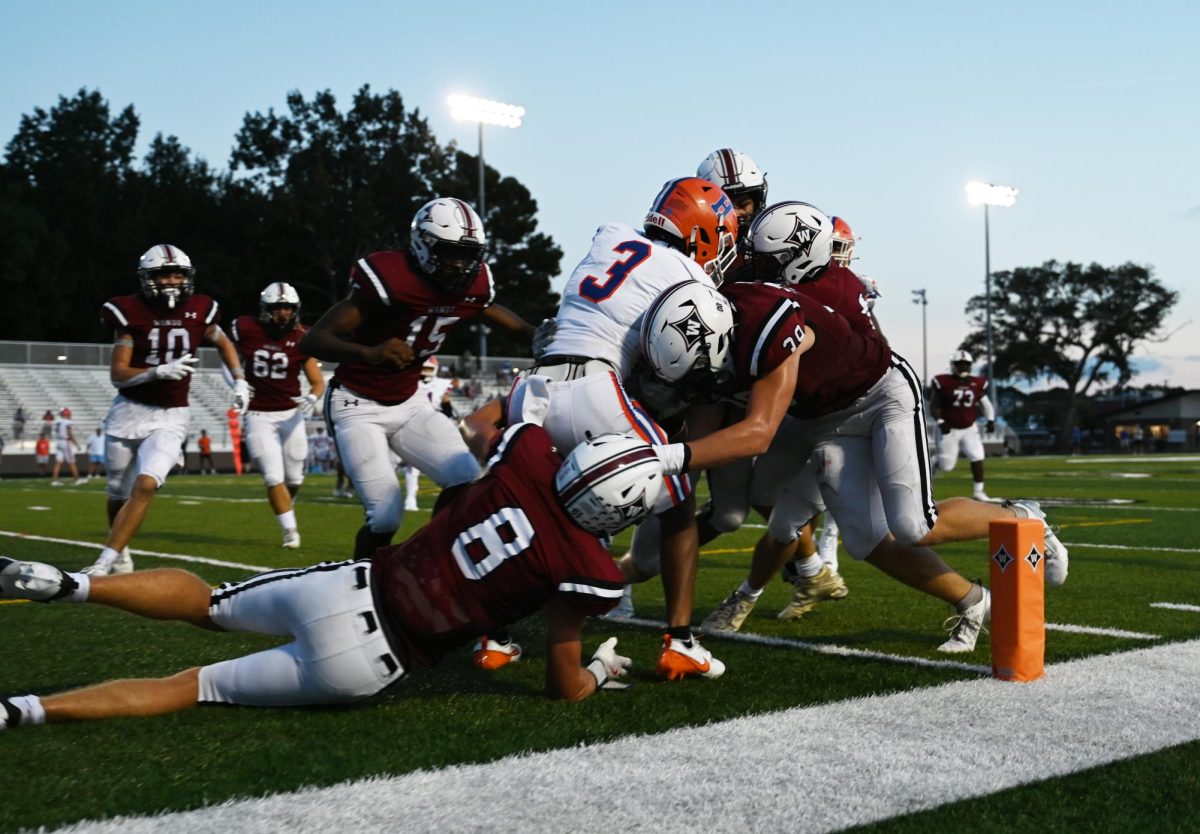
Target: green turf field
1124 558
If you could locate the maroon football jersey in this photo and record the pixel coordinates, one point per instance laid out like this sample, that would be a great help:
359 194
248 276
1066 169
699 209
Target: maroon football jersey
494 555
838 369
839 288
958 398
404 304
161 335
272 362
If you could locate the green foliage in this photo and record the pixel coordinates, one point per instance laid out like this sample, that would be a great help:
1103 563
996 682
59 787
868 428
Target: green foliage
1079 324
309 190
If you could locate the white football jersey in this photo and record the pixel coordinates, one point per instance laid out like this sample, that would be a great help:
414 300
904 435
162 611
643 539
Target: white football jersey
434 389
62 428
605 297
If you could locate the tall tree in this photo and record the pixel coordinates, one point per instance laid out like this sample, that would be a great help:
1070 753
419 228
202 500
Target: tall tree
1079 324
339 184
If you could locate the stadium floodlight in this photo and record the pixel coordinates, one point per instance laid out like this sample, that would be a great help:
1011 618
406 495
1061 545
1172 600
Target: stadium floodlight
1004 196
922 301
484 111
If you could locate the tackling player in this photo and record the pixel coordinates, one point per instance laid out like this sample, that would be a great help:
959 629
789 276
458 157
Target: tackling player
958 399
400 308
276 436
522 538
155 335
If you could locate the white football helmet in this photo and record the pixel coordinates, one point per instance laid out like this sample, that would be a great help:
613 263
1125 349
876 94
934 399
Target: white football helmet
739 177
961 362
686 337
275 299
429 368
609 482
448 242
156 264
791 243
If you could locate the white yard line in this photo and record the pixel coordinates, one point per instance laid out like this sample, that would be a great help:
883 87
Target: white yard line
821 768
1101 632
1176 606
178 557
1137 460
1133 547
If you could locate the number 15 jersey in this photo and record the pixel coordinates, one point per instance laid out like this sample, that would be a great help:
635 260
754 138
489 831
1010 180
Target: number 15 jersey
494 555
605 297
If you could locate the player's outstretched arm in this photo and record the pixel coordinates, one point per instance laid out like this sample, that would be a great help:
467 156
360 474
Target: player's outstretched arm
566 678
506 319
480 427
329 338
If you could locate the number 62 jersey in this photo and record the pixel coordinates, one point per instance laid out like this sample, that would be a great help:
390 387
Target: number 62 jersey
273 362
160 335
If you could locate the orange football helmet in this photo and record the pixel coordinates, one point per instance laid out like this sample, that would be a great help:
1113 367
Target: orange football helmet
843 241
696 217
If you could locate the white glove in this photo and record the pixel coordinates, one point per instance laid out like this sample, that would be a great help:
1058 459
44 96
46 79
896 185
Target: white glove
308 404
871 286
178 368
241 396
543 336
607 665
674 458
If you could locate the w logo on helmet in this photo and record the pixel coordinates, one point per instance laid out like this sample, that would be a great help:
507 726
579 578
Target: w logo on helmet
802 236
691 328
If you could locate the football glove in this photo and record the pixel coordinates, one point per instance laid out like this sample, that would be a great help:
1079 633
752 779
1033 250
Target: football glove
308 404
943 427
177 369
607 665
991 426
241 396
543 336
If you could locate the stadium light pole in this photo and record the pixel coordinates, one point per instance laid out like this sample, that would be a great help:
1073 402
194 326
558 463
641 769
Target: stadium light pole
483 111
986 194
920 299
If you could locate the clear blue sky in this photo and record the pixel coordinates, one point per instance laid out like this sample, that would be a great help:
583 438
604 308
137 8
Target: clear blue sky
878 112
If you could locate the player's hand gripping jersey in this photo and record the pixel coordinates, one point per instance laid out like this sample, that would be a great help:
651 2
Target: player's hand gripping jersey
494 555
841 290
160 336
958 398
273 362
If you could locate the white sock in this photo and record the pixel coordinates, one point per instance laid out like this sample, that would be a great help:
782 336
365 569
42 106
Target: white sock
810 566
287 520
979 488
749 591
24 710
80 594
107 556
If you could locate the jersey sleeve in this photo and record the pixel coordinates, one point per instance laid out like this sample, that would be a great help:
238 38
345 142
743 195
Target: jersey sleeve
778 334
112 316
367 281
235 333
213 314
592 595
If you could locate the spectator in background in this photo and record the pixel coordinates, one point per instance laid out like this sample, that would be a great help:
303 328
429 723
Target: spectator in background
48 420
1076 441
95 453
18 424
1123 439
1139 440
64 447
1 450
206 459
41 451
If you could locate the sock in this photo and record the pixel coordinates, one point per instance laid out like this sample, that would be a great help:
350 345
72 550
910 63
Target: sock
979 490
107 556
83 587
287 520
22 710
749 591
809 566
681 633
972 598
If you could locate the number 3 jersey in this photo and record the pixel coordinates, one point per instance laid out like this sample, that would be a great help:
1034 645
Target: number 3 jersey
958 398
605 297
273 362
403 304
161 335
494 555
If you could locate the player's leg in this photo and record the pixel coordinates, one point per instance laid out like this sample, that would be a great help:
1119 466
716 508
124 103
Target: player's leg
361 431
135 698
430 441
412 481
972 449
729 502
899 461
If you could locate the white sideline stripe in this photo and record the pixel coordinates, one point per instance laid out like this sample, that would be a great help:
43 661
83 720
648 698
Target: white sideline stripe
1138 460
1134 547
823 648
1176 606
178 557
856 762
1101 632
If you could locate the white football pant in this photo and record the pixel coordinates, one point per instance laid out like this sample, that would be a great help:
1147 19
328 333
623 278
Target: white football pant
968 441
278 444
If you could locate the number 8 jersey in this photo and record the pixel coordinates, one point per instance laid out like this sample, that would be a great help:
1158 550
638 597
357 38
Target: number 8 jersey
161 335
272 362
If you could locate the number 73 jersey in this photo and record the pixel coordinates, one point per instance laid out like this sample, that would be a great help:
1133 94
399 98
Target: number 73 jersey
273 363
160 335
403 304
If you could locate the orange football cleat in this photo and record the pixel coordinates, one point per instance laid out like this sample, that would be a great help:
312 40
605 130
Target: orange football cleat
491 655
679 660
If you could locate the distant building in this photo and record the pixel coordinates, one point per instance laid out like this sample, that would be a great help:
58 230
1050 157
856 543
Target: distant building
1168 422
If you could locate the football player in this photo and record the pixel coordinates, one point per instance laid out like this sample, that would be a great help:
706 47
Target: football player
156 335
958 399
276 436
577 388
436 389
400 308
522 538
64 447
738 176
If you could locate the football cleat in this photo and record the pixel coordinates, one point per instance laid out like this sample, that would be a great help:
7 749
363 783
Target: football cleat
122 564
679 660
1056 551
966 626
828 584
291 539
35 581
490 655
729 615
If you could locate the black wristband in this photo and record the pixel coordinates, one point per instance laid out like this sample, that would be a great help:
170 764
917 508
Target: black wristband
687 459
